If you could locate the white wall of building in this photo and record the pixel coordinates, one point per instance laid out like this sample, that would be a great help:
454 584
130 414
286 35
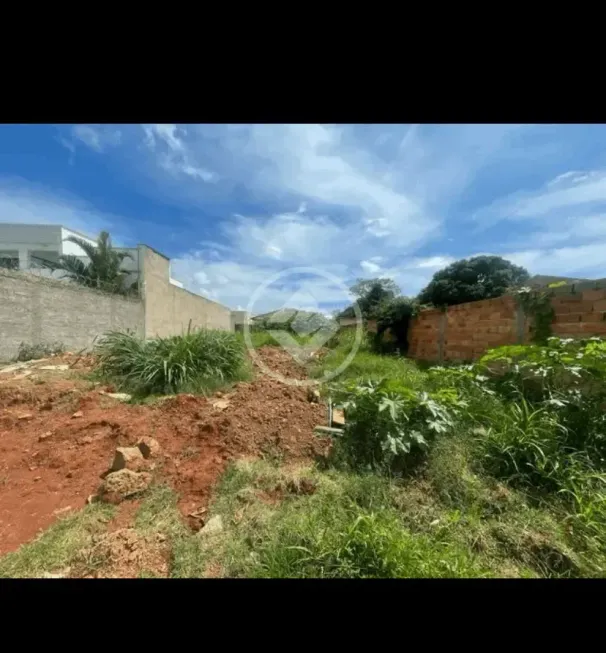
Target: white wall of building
28 241
72 248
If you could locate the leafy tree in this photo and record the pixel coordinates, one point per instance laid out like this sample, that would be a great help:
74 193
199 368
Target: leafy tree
102 271
469 280
371 295
394 315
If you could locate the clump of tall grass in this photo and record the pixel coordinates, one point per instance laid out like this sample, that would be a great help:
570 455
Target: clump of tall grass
197 361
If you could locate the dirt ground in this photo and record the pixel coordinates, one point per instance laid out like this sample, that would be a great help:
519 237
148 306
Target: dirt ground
59 432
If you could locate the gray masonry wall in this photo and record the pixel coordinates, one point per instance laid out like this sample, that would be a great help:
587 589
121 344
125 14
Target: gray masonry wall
168 308
36 309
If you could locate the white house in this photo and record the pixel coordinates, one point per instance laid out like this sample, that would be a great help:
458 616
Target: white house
22 246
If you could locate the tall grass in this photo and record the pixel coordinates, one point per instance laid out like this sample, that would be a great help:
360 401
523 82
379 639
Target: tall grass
262 338
198 361
348 527
366 364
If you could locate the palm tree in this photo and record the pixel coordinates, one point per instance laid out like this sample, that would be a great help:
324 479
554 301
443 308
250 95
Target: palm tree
103 271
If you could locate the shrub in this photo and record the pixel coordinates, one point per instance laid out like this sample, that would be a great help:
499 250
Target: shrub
200 360
567 377
388 424
28 352
524 444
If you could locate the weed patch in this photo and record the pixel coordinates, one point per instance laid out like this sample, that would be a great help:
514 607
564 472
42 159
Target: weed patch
58 547
198 361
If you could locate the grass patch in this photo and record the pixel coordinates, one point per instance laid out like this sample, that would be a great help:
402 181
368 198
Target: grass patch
450 520
159 513
261 338
347 527
366 364
58 547
198 361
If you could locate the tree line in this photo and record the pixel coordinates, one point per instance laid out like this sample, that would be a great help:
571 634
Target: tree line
466 280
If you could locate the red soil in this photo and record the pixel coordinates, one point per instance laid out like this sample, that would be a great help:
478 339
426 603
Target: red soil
51 458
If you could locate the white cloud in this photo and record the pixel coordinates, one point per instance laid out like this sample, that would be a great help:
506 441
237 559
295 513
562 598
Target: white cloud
584 260
568 192
434 262
172 154
370 267
309 160
98 138
165 133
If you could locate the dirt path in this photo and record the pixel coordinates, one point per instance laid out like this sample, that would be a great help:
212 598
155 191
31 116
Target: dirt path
58 434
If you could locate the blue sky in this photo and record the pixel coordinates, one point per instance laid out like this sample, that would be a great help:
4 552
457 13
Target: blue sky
233 205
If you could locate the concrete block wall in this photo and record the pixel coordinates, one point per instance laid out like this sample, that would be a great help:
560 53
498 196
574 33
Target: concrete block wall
474 327
464 332
580 314
424 339
36 309
168 308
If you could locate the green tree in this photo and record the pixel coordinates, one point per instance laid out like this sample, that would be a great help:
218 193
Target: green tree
103 270
371 295
394 316
469 280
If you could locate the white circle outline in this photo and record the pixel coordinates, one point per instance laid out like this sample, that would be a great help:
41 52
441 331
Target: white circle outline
276 375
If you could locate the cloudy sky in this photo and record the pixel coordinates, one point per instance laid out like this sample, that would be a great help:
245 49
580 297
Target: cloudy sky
234 206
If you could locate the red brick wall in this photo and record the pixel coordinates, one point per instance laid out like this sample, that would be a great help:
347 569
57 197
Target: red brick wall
468 330
580 314
474 327
423 335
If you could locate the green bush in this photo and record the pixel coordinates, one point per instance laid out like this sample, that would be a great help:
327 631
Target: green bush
567 378
388 424
198 361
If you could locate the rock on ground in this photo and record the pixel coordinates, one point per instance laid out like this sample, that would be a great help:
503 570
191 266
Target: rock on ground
128 458
213 526
149 447
122 484
120 396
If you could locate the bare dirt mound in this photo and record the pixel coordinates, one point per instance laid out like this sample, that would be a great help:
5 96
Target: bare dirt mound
57 437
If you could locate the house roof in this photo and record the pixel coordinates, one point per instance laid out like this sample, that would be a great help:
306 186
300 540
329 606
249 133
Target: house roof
287 312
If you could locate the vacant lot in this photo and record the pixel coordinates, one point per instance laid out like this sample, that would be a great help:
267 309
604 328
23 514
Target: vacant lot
491 470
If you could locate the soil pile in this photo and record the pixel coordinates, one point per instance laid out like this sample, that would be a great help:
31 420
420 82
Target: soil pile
59 434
